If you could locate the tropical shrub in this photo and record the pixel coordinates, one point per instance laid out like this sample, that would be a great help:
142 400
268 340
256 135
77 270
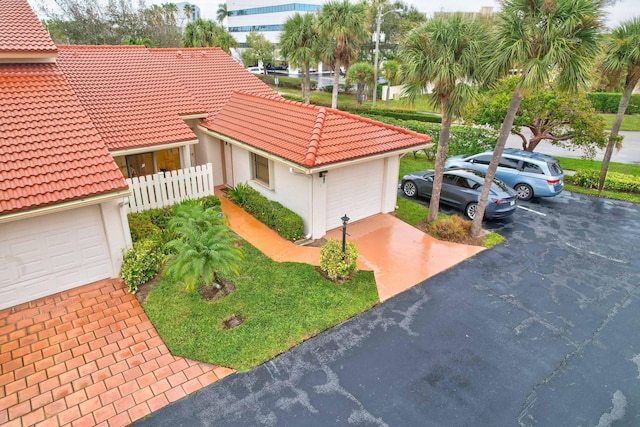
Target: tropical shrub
239 193
141 263
142 228
203 247
451 229
615 181
336 264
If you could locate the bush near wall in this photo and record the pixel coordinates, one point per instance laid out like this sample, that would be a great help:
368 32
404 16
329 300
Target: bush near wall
604 102
149 234
141 263
615 181
285 222
398 114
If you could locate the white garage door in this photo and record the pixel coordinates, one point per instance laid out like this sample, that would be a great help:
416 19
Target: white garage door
51 253
355 190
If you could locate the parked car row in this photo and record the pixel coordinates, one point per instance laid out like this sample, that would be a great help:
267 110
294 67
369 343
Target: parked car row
520 175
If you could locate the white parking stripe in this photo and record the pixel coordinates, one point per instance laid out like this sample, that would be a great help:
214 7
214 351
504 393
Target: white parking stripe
531 210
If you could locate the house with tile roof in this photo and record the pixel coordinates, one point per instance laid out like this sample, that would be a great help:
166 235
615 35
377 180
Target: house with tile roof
62 222
78 120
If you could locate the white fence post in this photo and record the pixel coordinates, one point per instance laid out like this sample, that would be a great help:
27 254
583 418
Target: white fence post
167 188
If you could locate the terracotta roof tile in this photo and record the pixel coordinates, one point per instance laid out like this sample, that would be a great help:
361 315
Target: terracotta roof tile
50 150
21 30
307 135
211 76
131 97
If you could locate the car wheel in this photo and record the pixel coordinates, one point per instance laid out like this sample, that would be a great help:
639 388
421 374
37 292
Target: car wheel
470 210
409 188
525 192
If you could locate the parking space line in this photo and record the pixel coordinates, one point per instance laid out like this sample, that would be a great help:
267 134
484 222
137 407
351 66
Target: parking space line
531 210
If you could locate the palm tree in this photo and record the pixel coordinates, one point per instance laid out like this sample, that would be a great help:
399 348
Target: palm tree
188 11
221 13
390 71
203 247
443 52
298 44
362 73
622 57
206 33
545 39
345 24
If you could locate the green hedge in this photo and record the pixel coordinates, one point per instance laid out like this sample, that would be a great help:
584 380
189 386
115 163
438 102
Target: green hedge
398 114
285 222
285 82
608 102
462 139
141 263
615 181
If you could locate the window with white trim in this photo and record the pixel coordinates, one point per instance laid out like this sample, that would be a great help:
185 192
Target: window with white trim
261 169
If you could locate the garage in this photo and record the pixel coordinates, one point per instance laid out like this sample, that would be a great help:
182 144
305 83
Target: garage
47 254
355 190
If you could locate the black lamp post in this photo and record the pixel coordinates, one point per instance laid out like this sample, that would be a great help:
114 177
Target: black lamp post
344 219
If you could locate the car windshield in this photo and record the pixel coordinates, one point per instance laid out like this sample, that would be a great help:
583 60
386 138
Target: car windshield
555 168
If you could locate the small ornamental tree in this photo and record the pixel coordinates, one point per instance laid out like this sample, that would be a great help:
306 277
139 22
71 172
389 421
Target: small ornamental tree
362 74
336 264
203 247
565 119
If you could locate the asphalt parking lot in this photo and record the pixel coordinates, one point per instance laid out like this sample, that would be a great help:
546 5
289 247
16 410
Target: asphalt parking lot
541 330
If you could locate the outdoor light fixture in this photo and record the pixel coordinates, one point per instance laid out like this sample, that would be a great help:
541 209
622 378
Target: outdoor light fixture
375 64
323 174
345 220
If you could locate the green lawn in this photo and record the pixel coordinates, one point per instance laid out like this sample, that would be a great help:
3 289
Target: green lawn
630 122
283 304
569 163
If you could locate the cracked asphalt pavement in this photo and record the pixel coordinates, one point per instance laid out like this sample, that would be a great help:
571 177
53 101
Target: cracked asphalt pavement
541 330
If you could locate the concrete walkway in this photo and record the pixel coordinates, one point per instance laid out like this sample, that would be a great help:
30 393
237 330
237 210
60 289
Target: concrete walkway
89 357
399 255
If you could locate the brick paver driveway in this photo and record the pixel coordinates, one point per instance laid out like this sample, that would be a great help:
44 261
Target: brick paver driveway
87 357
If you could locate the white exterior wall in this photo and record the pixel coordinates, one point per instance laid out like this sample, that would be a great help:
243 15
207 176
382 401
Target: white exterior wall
208 150
292 190
390 184
117 232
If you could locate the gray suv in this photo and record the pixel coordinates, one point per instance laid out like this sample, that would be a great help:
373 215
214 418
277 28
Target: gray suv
530 174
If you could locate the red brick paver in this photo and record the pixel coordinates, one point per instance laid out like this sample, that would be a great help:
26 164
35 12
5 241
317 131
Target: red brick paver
89 356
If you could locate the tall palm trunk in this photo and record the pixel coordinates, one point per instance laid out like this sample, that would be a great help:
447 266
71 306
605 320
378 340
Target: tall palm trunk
306 85
632 81
336 83
441 156
505 130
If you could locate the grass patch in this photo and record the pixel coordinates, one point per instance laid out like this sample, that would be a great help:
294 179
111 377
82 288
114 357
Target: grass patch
410 163
630 122
283 304
577 164
415 214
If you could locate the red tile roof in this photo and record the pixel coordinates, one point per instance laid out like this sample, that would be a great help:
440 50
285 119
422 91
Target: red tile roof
21 31
50 150
210 75
307 135
131 97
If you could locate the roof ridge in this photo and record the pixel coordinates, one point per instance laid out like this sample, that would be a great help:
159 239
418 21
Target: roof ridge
314 142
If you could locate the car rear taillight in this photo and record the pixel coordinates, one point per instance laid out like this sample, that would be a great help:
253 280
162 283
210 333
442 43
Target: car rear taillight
553 181
499 201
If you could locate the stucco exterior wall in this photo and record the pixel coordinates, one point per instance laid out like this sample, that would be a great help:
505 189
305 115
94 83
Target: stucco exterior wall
117 231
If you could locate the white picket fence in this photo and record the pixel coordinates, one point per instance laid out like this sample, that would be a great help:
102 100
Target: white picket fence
168 188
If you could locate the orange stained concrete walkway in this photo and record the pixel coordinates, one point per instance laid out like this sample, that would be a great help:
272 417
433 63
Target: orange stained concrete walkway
399 254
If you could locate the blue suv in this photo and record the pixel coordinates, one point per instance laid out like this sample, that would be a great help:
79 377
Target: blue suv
530 174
